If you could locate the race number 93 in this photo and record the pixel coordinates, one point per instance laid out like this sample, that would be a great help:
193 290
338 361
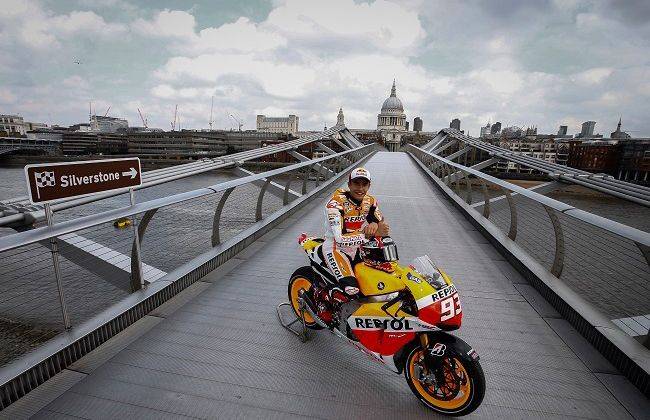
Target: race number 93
450 307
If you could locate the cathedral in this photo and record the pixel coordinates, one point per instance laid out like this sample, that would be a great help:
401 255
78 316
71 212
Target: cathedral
391 121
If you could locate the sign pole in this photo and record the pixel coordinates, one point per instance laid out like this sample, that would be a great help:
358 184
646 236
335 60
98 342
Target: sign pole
54 246
136 236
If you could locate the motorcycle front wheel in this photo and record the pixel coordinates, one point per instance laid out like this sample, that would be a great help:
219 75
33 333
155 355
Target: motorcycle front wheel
302 279
462 390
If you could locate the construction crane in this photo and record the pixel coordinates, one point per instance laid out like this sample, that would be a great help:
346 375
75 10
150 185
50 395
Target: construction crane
144 120
107 109
175 117
238 121
211 107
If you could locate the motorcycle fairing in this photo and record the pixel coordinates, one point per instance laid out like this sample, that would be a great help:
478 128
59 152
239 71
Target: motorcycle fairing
374 282
385 332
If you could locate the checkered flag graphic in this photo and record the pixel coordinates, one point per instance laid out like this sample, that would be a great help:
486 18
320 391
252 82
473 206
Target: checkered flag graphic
44 179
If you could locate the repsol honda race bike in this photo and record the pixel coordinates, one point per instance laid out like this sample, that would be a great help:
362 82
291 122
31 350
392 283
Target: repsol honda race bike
401 320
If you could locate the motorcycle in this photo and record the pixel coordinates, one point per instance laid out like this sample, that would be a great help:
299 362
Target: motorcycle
401 320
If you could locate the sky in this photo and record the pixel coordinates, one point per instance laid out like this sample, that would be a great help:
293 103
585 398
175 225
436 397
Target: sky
540 63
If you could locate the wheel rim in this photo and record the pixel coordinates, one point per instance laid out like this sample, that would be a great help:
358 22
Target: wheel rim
436 395
298 284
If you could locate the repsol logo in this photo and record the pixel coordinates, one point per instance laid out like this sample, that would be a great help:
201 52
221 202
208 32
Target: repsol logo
443 293
355 219
334 265
384 324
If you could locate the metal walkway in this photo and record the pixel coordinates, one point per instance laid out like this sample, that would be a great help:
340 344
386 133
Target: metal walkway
217 351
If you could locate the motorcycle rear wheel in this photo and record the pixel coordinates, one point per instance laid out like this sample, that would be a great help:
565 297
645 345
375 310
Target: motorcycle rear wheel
302 279
462 392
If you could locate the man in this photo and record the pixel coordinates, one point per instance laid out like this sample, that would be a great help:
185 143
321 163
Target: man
353 217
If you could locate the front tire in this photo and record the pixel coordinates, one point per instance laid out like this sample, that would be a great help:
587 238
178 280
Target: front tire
464 386
302 279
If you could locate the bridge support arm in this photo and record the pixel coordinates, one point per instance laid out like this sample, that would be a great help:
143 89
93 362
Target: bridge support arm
478 167
274 188
304 158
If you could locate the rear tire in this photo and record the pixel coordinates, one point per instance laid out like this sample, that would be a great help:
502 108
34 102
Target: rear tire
468 394
302 279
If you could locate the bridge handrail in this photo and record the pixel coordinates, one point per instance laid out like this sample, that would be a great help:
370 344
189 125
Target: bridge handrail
607 184
35 235
616 228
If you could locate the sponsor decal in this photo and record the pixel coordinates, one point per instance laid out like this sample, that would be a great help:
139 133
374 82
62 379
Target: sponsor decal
438 349
352 219
333 204
351 290
473 354
413 278
443 293
334 265
392 324
380 285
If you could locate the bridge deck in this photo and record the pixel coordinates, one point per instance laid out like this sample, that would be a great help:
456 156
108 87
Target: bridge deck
217 350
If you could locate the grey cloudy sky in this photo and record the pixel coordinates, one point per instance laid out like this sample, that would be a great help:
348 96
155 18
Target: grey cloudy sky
541 63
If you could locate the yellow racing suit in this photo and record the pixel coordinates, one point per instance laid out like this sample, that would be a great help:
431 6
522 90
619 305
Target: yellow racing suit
346 219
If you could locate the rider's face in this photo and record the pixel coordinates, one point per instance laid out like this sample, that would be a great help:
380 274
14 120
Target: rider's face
359 188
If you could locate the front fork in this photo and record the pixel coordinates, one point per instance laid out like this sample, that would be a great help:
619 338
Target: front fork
432 363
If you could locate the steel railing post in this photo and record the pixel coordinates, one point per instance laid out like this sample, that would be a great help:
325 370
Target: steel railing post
136 242
305 179
486 197
216 221
260 199
512 233
54 247
558 260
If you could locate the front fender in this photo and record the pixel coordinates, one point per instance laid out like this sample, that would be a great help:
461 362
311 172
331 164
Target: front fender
446 344
453 345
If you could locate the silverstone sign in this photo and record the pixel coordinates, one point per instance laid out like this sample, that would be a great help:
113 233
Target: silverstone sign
53 181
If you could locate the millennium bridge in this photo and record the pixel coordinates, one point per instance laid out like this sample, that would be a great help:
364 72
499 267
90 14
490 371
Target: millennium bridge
176 316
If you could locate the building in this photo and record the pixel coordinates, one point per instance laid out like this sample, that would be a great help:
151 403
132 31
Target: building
417 124
286 125
340 119
107 124
485 131
31 126
391 121
455 124
545 149
618 134
83 127
562 131
75 143
587 129
496 128
12 125
594 156
634 160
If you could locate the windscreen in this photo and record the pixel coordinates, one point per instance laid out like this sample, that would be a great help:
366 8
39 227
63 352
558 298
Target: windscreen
428 270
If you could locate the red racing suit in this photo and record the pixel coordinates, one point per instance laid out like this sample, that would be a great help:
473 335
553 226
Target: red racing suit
345 220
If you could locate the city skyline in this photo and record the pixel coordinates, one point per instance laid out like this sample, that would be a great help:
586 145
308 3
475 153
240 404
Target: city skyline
522 63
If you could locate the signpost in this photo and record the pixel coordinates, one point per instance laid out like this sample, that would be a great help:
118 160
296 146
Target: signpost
54 181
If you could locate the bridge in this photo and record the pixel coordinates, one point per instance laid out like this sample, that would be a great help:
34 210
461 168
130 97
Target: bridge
10 145
555 298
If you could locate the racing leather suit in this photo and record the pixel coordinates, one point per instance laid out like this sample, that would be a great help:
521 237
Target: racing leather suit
346 219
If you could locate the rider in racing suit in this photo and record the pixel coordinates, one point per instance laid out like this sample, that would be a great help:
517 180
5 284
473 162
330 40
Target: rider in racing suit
352 217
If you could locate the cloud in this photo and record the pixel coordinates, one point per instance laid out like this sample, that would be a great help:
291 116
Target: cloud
380 24
167 24
33 27
594 76
520 62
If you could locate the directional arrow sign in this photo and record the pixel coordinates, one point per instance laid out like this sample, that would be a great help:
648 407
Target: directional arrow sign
53 181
